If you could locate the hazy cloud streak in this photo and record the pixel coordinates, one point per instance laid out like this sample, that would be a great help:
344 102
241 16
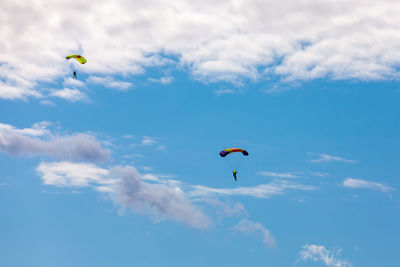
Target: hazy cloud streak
127 188
249 227
329 158
278 174
359 183
258 191
226 41
320 253
39 141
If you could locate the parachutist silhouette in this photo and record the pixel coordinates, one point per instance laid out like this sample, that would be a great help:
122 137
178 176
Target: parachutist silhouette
75 77
234 172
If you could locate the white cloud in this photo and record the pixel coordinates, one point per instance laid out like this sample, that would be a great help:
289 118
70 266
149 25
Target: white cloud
73 174
127 188
38 140
72 95
220 92
321 174
258 191
148 140
225 208
278 174
329 158
158 196
110 82
12 92
71 82
224 41
162 148
47 103
320 253
163 80
249 227
156 199
37 129
359 183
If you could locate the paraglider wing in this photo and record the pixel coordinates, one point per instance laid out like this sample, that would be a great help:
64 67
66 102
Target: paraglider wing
79 58
227 151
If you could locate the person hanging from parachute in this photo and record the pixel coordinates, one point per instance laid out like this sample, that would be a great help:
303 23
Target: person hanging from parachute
228 151
80 59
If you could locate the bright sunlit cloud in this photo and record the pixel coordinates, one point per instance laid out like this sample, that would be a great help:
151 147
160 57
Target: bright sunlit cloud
230 41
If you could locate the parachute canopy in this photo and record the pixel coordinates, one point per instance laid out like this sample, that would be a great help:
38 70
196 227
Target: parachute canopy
80 59
227 151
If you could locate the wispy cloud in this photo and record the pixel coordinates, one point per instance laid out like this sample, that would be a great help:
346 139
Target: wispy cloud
110 82
157 199
127 188
68 174
360 44
163 80
320 253
148 140
68 94
320 174
220 92
329 158
71 82
278 174
225 208
162 148
258 191
38 140
359 183
159 196
250 227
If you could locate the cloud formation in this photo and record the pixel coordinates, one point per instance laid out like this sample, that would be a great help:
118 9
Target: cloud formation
68 94
259 191
38 140
278 174
249 227
160 197
148 140
359 183
68 174
156 199
329 158
163 80
127 188
225 41
320 253
110 82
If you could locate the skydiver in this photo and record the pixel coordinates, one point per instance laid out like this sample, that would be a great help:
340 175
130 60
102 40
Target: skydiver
234 172
74 73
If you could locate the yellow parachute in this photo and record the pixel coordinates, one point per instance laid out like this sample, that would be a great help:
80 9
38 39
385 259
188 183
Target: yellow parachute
80 59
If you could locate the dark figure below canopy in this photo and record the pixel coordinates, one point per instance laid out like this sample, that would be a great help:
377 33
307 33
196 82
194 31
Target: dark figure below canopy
80 59
225 152
234 174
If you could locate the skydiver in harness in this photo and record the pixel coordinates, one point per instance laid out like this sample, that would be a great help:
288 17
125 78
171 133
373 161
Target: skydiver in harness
74 73
234 172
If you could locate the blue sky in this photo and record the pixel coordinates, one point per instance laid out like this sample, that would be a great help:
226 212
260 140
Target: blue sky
121 168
